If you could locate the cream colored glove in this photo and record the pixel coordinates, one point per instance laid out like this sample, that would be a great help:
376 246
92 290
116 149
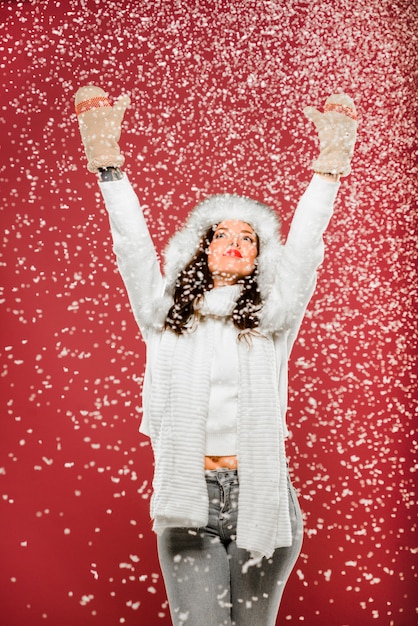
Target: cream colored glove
337 131
100 126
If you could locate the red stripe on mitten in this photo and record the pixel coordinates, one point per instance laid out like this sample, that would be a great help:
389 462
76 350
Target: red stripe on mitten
93 103
340 108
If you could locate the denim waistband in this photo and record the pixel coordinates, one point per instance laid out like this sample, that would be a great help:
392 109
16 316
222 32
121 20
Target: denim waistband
221 474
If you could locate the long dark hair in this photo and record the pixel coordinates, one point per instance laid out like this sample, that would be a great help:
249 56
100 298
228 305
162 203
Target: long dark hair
195 279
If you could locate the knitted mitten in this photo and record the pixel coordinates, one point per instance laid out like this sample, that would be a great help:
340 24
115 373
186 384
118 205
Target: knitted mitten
100 126
337 129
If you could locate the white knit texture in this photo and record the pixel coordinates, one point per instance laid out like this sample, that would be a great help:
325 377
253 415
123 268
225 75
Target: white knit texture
174 396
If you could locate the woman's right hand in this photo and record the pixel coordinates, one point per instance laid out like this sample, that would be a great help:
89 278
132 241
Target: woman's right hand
100 126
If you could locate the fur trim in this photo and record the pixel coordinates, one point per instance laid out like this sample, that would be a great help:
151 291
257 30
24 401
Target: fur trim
184 244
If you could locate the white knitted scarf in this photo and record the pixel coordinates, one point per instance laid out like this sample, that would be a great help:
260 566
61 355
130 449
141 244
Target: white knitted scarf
178 410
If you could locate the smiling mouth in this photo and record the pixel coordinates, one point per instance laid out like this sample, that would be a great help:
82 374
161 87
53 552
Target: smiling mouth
233 252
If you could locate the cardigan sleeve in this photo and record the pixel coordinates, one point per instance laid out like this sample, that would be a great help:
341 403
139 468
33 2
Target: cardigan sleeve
302 254
135 252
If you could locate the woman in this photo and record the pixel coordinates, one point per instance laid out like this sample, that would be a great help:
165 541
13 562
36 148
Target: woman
219 327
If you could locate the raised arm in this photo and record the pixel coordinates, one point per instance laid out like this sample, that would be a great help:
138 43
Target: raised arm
304 248
100 128
135 252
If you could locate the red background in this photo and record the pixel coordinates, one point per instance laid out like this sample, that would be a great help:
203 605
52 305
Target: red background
217 90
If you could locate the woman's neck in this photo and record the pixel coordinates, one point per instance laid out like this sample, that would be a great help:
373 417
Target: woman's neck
223 281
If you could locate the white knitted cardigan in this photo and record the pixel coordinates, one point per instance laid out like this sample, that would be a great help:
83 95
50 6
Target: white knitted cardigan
175 388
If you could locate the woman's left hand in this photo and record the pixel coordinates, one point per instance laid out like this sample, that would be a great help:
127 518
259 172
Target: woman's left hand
337 131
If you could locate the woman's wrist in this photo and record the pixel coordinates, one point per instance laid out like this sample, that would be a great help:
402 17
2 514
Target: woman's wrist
329 176
107 174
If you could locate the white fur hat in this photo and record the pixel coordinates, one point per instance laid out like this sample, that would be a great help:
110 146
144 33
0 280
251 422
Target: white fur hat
184 244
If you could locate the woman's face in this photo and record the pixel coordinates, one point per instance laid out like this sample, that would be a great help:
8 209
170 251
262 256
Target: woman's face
232 252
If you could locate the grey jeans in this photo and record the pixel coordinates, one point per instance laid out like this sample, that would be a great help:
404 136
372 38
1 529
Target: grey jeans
202 567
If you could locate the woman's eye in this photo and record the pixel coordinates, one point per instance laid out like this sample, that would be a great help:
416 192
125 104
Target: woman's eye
219 235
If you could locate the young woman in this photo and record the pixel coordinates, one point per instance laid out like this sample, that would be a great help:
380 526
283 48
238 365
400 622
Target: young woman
219 326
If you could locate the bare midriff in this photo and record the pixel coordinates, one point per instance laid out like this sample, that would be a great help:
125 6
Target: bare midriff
221 462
